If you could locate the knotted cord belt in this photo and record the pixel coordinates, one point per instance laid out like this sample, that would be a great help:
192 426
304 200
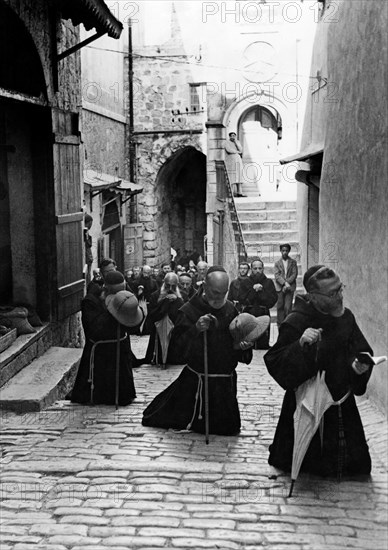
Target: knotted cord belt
341 434
198 395
91 360
335 404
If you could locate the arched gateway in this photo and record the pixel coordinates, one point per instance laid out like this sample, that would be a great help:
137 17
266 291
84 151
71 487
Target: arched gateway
180 192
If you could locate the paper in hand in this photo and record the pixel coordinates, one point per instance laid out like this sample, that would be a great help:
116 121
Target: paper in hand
366 358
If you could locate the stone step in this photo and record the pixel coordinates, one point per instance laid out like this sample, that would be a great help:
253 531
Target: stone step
270 268
269 225
271 236
23 351
268 256
249 204
260 215
271 247
46 379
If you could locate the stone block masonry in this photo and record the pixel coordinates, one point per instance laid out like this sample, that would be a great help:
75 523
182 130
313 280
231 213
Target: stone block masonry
77 477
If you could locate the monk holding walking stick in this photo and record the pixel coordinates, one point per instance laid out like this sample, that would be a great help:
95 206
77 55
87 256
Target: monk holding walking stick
204 396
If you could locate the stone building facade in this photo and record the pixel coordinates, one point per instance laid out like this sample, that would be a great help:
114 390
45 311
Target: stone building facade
233 87
170 159
342 194
105 119
40 163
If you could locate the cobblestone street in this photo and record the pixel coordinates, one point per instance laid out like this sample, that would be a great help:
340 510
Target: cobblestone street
95 478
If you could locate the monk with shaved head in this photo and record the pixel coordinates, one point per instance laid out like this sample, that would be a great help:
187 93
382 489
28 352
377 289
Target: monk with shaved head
181 405
321 336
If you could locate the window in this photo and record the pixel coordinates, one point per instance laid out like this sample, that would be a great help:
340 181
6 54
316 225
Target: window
197 96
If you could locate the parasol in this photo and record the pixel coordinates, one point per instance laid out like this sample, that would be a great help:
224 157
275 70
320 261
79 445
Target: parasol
164 328
313 398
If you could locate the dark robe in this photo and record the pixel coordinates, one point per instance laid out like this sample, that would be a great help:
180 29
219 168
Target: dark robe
187 295
239 291
149 284
181 405
291 365
259 303
99 324
156 311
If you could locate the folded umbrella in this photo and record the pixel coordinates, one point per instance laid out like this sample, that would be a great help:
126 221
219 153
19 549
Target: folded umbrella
313 398
164 328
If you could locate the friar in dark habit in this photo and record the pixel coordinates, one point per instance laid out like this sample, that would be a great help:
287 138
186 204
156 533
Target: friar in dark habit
95 381
320 334
181 405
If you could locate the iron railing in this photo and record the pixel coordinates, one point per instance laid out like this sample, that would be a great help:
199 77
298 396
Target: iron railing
225 192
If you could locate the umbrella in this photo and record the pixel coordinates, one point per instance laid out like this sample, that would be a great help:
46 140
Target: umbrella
143 305
313 398
164 329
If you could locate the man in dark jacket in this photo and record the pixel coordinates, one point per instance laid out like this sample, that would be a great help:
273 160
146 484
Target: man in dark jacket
180 406
320 334
261 298
241 287
285 272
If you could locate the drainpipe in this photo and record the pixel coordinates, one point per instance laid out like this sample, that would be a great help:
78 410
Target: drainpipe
130 105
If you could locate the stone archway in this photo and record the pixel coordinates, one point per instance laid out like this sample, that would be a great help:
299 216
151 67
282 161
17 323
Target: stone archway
25 134
258 122
180 193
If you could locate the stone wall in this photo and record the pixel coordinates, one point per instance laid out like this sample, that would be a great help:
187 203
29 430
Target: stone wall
104 144
153 151
36 17
159 88
353 199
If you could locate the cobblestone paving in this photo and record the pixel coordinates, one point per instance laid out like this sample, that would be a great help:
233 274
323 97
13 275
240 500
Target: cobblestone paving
93 478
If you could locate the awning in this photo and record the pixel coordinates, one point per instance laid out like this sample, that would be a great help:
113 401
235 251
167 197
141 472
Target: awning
310 152
99 182
310 165
93 14
128 186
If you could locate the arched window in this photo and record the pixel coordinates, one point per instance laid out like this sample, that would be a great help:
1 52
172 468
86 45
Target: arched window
263 115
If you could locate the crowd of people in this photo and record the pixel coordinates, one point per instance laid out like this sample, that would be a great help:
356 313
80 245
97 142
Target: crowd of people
188 312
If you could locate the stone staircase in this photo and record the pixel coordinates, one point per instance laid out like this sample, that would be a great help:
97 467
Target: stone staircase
34 374
266 225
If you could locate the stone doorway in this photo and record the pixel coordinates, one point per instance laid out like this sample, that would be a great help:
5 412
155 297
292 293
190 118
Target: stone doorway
180 193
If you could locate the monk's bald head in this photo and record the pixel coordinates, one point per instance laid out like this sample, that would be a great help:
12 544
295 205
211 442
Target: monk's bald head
171 279
216 288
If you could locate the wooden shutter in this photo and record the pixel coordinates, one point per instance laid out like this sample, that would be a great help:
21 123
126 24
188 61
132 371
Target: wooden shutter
68 214
133 245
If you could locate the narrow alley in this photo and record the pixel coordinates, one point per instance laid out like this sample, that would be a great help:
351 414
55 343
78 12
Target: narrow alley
81 477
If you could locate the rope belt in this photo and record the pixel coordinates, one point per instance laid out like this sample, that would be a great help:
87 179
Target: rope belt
91 360
198 395
335 404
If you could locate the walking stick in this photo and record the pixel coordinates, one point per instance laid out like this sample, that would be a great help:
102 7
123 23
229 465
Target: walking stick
206 376
117 367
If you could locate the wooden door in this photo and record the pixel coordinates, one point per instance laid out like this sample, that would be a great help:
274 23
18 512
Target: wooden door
68 213
133 245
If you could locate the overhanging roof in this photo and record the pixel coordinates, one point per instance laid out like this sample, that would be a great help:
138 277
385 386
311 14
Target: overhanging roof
129 186
99 182
310 152
93 14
